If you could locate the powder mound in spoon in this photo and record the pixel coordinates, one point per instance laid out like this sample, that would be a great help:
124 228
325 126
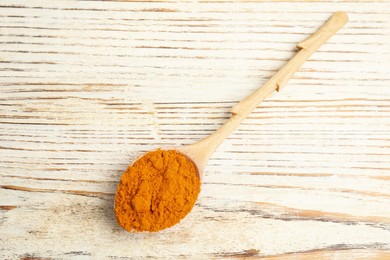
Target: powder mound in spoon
157 191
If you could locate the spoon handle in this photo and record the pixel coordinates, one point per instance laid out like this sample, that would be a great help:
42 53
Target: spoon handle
306 49
247 105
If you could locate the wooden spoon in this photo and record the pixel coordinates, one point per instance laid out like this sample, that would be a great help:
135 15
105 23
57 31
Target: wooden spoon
201 151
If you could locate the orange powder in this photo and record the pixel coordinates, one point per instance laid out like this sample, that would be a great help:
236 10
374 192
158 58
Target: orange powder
157 191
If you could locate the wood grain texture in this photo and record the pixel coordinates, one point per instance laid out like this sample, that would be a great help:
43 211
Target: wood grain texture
87 86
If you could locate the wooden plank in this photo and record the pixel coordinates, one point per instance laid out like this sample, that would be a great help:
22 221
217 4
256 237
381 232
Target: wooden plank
88 86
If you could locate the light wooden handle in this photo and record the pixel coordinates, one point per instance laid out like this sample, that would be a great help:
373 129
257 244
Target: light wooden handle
330 27
306 49
202 150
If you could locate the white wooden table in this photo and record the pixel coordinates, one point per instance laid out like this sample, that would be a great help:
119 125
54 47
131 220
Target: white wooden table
86 87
